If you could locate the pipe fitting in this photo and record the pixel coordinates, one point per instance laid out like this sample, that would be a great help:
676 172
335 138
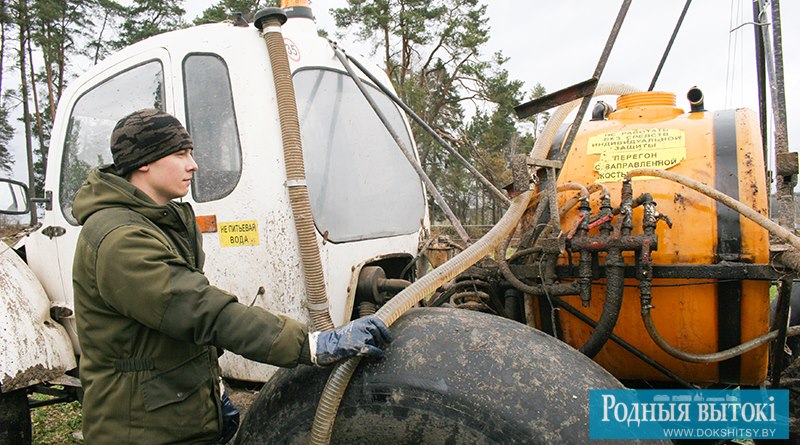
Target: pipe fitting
373 286
601 111
603 243
267 14
585 261
606 215
695 97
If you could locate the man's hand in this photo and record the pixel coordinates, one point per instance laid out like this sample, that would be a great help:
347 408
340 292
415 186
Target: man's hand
364 336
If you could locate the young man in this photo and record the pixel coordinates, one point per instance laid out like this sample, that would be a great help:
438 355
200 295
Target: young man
150 325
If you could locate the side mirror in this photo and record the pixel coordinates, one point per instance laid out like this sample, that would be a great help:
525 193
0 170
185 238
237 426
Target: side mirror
13 197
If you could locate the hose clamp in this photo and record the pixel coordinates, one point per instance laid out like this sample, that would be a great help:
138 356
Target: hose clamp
296 183
273 28
317 306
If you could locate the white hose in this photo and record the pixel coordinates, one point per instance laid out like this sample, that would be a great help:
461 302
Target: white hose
337 382
545 140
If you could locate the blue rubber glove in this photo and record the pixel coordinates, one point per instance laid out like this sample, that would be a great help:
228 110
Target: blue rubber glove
364 337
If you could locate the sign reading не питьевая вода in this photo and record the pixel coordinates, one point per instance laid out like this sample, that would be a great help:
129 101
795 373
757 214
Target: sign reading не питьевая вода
688 414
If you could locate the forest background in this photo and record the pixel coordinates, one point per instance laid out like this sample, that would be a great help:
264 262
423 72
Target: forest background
438 54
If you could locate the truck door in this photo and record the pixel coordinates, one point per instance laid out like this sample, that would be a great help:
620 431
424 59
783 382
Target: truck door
81 142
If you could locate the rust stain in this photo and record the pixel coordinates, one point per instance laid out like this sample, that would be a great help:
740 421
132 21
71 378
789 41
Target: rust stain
679 200
207 223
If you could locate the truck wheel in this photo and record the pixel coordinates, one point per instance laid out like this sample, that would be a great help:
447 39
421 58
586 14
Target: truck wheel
15 418
790 379
450 376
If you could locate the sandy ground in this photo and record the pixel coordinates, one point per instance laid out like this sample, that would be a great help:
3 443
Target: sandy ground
242 394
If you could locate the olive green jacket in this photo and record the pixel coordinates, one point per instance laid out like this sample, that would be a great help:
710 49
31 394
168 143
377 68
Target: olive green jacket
149 323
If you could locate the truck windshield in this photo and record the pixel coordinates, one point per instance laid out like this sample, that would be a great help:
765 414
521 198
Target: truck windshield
360 184
93 118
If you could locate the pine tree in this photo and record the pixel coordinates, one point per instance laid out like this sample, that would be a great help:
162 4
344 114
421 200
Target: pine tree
226 9
105 14
432 52
146 18
6 129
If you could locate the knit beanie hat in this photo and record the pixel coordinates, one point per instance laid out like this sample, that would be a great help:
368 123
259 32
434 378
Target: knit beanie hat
146 136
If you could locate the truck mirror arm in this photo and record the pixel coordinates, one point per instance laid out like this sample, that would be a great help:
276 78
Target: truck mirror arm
47 200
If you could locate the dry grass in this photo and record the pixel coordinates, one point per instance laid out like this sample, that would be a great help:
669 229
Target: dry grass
10 234
56 424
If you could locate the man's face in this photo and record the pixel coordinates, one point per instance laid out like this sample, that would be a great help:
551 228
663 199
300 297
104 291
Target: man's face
167 178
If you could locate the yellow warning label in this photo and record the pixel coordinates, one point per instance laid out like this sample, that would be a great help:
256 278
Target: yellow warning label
238 233
623 151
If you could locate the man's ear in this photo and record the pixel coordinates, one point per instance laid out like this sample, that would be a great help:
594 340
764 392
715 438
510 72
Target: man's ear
142 169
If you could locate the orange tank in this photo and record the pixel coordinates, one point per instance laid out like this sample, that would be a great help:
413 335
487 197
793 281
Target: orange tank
721 149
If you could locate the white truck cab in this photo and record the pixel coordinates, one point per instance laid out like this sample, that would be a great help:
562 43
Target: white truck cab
367 202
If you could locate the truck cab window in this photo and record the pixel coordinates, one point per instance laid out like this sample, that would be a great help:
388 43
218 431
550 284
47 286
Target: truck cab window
93 118
360 184
212 123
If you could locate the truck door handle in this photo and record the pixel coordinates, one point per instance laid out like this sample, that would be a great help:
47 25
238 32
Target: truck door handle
53 231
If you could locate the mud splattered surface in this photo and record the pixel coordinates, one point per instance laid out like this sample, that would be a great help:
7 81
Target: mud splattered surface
24 378
790 378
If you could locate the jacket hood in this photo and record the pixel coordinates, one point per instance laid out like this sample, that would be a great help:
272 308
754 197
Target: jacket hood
103 189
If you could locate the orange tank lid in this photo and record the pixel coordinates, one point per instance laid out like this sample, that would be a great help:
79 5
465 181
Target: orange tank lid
293 3
646 99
